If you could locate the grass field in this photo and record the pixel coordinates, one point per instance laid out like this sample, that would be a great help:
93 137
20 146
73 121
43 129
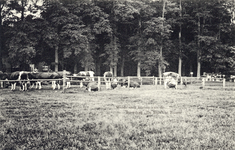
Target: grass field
145 118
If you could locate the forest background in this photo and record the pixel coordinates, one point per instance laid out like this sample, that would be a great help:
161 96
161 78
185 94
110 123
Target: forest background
127 37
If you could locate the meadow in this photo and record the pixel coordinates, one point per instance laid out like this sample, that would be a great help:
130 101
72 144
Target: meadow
146 118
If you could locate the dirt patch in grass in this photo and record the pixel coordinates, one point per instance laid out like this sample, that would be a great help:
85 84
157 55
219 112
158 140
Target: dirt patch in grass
145 118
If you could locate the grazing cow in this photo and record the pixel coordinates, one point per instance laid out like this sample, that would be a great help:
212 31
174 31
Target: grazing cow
92 86
124 83
22 79
171 79
114 83
107 78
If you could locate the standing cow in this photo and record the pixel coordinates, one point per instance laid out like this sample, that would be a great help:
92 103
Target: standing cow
40 76
21 78
85 77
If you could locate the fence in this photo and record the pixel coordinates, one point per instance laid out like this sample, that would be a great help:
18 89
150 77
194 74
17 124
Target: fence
218 84
149 80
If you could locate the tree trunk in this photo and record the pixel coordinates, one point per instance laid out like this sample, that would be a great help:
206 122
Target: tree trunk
198 50
75 69
115 71
139 50
56 59
161 46
115 53
98 64
111 69
86 68
180 45
1 34
138 69
122 65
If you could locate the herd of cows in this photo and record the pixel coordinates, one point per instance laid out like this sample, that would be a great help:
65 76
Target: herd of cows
26 80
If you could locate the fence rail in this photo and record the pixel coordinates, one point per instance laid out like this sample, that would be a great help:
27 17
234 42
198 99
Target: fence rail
145 80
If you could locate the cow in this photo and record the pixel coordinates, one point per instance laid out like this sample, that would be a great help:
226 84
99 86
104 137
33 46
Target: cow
4 76
170 79
67 73
85 76
108 75
124 83
39 76
21 79
114 83
92 86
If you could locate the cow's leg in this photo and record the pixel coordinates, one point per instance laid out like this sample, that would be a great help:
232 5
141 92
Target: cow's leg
53 85
38 85
25 86
21 86
89 89
32 85
81 84
58 85
1 84
12 86
68 85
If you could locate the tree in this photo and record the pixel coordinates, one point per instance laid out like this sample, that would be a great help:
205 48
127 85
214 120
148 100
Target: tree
21 44
2 4
57 17
137 41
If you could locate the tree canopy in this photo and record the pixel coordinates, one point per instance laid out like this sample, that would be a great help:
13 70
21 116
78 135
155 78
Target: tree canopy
127 37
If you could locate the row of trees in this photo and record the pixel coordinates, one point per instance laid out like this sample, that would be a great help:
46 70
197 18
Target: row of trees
128 37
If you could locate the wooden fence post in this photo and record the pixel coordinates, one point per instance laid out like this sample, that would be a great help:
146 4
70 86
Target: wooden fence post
155 80
64 80
128 82
203 83
160 79
223 83
98 83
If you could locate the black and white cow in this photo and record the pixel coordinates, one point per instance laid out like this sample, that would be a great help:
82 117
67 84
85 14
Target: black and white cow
85 77
40 76
21 78
170 79
87 74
